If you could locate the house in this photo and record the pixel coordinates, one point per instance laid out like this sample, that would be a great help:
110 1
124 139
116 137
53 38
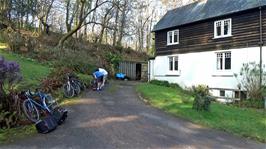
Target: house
207 42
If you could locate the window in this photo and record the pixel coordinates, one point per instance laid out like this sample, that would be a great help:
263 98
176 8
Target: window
173 63
173 37
223 61
242 94
222 93
223 28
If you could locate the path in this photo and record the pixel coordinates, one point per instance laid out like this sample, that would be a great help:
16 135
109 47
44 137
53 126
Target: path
118 119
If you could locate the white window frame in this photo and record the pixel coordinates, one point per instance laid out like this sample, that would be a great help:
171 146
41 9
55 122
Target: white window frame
173 57
222 28
173 37
223 54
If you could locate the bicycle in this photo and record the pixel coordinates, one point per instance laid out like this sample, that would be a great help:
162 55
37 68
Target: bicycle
31 107
71 87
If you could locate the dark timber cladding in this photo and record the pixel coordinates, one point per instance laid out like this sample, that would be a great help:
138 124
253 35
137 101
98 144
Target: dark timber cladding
199 36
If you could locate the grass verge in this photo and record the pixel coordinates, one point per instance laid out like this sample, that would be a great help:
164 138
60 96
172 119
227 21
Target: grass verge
249 123
10 135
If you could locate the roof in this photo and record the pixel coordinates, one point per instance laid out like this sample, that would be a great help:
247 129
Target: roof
204 9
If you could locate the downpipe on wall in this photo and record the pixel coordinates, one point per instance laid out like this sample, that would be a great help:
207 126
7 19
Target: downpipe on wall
261 44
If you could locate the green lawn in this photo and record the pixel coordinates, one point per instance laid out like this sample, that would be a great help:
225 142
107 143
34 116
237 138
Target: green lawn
32 71
244 122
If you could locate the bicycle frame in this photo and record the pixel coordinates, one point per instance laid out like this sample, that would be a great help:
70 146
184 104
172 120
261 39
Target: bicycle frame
43 106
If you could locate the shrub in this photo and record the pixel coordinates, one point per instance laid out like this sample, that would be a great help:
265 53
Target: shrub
13 39
251 103
9 76
249 80
85 78
114 60
7 119
55 80
165 83
202 100
1 37
202 103
31 43
9 102
80 61
161 83
174 85
202 90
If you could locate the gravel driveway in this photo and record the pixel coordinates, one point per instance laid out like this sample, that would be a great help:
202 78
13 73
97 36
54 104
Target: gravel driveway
116 118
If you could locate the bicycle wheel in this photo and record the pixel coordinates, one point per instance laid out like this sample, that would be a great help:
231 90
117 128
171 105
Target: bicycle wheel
81 85
68 91
31 111
75 87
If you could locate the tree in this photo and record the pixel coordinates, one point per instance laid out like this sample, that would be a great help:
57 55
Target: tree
84 11
43 11
5 8
125 8
105 19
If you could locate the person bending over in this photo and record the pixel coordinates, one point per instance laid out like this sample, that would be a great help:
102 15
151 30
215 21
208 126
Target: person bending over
105 75
99 78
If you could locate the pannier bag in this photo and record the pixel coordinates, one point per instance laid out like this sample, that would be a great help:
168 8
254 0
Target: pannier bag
46 125
60 115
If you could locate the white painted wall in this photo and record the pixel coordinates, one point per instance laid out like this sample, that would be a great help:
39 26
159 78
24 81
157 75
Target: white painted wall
200 68
151 70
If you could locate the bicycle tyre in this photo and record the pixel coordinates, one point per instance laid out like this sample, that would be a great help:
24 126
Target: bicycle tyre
76 88
81 85
68 91
26 106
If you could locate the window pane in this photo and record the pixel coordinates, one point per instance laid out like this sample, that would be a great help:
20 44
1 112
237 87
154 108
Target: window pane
219 61
176 63
171 63
219 30
226 30
175 36
171 39
218 26
226 27
168 37
227 60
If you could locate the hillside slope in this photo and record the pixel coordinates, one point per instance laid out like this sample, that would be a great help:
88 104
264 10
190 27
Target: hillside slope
78 54
31 70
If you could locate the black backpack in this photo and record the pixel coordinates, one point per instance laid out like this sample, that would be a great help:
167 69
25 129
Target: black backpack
60 115
46 125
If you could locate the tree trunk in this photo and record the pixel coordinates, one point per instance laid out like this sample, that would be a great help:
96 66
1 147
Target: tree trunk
67 35
122 26
101 34
115 28
68 25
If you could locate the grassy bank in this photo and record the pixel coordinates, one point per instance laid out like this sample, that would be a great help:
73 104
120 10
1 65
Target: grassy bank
244 122
32 71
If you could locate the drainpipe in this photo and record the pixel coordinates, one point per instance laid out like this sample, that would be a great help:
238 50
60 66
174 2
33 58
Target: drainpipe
261 44
149 71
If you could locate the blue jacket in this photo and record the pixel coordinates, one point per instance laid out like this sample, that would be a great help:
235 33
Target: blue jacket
98 74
